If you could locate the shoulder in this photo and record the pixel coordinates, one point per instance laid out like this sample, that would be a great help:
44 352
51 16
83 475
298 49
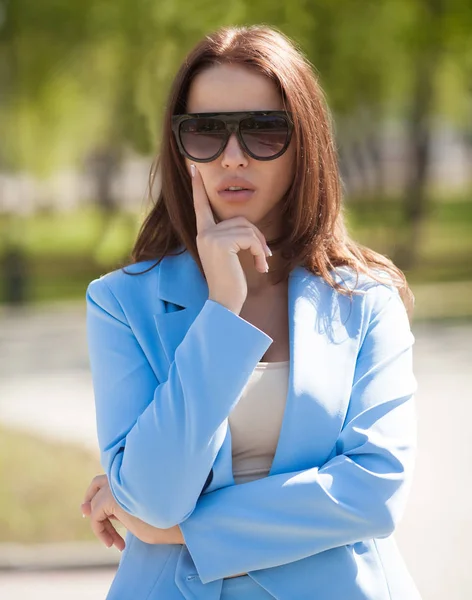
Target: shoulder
120 287
366 285
362 282
371 297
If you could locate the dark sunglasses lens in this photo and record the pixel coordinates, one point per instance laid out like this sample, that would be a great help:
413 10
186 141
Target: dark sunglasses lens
265 136
202 137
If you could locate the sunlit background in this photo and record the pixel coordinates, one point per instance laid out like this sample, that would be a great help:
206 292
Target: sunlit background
83 86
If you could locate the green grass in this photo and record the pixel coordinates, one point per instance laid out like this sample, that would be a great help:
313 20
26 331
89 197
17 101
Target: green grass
42 485
65 251
445 248
71 234
443 302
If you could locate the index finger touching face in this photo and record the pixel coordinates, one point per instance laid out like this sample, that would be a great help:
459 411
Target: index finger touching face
203 212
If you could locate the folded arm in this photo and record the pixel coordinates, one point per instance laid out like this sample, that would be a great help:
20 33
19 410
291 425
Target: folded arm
360 494
158 440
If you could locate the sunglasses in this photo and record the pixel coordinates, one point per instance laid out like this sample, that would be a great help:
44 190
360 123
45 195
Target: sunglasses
263 135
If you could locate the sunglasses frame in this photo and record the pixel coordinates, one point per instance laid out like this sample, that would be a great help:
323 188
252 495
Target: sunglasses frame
232 120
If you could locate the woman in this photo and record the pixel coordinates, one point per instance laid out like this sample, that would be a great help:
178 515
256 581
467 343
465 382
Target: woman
252 366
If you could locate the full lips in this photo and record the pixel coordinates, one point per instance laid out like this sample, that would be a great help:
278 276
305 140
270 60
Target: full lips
233 196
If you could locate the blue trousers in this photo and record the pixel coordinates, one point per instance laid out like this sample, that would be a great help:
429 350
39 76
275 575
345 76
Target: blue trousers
243 588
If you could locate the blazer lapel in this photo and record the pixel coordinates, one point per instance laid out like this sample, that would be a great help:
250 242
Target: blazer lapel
183 287
318 386
318 323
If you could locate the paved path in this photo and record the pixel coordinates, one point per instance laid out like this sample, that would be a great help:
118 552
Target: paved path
45 384
60 585
45 387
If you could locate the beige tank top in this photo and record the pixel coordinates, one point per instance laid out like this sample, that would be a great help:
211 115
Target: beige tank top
256 420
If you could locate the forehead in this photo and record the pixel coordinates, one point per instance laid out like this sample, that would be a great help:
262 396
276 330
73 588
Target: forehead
228 88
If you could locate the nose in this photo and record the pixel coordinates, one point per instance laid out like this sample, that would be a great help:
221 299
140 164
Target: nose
233 155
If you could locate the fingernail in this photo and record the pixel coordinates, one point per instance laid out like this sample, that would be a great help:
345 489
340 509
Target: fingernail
269 251
267 269
192 169
83 516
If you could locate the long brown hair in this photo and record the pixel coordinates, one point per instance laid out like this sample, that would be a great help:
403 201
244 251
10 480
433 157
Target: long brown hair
315 234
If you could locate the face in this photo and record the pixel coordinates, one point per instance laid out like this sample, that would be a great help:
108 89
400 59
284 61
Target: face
228 88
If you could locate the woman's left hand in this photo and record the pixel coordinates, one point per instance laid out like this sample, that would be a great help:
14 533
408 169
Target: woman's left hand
100 505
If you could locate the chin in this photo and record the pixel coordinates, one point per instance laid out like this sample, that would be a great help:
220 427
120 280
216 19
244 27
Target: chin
229 211
236 211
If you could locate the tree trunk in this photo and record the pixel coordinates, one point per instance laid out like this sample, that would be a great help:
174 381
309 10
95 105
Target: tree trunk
419 142
415 203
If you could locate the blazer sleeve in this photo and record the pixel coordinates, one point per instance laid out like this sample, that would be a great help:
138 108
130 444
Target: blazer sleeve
158 440
357 495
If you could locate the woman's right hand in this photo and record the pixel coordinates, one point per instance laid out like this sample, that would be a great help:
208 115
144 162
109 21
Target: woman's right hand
218 246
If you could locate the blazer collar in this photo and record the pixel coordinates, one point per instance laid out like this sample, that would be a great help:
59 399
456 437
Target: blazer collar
181 282
315 324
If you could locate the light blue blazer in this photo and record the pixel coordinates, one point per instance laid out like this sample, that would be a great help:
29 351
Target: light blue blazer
168 367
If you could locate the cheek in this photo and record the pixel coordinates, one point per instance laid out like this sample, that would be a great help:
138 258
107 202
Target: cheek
281 176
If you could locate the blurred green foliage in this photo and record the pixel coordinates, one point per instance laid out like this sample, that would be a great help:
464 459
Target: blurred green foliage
80 75
66 251
83 72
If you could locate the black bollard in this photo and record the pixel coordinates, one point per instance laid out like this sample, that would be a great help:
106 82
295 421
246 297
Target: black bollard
14 269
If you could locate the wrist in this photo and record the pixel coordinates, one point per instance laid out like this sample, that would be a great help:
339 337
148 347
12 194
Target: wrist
235 308
154 535
180 536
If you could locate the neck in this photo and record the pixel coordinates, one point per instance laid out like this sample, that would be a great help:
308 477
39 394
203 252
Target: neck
257 282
